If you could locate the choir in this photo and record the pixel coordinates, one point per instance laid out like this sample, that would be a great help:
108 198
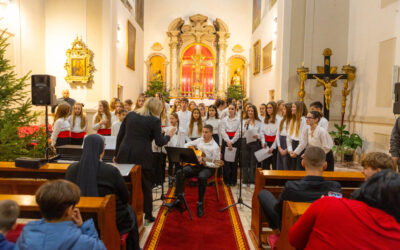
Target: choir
283 129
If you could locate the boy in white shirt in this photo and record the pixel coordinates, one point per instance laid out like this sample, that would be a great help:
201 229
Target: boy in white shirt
120 114
317 106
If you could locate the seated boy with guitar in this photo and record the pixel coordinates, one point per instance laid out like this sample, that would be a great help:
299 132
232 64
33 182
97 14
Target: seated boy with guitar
209 155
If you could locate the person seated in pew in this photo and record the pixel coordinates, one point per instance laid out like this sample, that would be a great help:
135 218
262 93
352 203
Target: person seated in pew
374 162
371 220
203 171
96 178
9 211
62 226
308 189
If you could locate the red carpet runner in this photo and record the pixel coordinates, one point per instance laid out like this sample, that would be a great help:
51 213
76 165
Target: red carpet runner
215 230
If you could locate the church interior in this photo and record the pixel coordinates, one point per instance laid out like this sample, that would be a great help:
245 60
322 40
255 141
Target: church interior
343 54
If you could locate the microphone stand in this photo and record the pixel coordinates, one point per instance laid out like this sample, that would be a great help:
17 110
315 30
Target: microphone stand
240 200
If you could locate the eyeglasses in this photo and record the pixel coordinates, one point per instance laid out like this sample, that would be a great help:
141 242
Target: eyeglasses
309 117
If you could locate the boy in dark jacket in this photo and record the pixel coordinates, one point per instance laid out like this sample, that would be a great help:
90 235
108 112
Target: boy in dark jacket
62 226
9 211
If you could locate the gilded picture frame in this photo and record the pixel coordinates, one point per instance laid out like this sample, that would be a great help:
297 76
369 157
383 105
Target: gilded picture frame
131 46
256 57
79 64
267 56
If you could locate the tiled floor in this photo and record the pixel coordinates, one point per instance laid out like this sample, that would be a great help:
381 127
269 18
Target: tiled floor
244 212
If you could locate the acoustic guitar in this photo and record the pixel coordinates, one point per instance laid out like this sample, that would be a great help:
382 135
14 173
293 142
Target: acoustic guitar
201 156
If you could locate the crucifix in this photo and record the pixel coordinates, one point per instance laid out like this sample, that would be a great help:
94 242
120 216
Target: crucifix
198 63
328 78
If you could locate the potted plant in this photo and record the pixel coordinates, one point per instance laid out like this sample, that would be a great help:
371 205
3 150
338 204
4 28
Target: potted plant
345 143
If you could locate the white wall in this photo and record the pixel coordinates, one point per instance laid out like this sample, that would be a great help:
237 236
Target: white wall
158 14
369 25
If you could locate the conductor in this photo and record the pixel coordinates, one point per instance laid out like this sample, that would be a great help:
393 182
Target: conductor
134 139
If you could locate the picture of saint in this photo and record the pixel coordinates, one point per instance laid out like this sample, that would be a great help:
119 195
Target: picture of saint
78 67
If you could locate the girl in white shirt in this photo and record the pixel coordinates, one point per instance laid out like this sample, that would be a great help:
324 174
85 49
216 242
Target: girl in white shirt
195 125
203 111
315 135
102 119
263 110
61 134
117 107
295 130
78 124
268 135
230 129
121 113
249 161
212 119
281 107
282 154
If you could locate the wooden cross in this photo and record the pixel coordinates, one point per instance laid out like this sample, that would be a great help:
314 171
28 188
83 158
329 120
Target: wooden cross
198 63
327 77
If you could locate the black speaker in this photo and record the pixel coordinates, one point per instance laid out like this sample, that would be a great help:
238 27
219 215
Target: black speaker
43 90
396 104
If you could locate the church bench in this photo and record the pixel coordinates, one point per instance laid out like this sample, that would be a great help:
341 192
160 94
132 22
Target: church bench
26 181
274 181
100 209
291 213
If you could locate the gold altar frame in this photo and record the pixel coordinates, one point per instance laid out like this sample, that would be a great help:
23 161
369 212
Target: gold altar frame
181 62
79 64
256 57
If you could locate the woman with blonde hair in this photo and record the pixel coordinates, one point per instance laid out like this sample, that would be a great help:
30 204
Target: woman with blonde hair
61 134
268 134
140 101
78 124
295 130
134 139
102 119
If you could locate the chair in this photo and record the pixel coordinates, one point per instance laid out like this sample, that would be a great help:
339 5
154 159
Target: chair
214 179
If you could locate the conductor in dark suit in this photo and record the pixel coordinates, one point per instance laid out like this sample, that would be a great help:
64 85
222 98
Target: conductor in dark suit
134 139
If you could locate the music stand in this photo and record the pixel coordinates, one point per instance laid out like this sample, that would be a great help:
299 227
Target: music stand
181 155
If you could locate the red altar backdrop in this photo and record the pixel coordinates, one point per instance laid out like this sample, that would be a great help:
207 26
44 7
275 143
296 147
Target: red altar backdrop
197 67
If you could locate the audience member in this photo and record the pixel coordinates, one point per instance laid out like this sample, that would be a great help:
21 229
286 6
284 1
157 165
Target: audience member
62 226
374 162
371 220
64 98
9 211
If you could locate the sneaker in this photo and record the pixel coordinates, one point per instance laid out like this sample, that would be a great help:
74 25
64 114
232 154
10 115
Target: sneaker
200 209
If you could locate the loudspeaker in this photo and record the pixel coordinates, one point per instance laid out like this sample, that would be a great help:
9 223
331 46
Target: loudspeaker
396 104
43 90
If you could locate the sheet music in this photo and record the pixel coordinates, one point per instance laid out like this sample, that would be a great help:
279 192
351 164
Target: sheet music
262 154
249 135
111 142
229 155
124 169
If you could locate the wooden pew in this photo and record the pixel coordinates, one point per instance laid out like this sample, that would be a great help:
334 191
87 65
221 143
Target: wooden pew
274 181
35 177
101 209
291 213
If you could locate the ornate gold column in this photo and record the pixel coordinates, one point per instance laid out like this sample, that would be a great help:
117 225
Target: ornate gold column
166 76
302 72
174 80
350 71
222 45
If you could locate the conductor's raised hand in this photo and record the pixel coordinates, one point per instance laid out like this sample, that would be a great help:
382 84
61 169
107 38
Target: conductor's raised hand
171 132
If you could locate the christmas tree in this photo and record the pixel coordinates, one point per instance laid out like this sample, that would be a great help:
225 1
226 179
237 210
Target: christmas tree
235 91
157 86
17 136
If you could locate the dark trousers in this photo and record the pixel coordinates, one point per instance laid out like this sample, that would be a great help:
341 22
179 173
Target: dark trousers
292 162
216 138
268 203
270 161
76 141
330 161
230 168
147 176
248 160
282 160
171 167
132 241
63 141
202 173
157 168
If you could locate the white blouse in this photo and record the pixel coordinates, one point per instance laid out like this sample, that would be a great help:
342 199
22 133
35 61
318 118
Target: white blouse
291 137
184 119
269 129
230 125
97 126
178 139
77 128
210 149
324 123
115 128
60 125
319 138
195 133
256 126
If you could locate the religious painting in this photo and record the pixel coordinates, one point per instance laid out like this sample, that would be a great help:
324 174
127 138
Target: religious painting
157 68
139 12
78 67
197 71
131 51
256 57
237 71
256 13
79 64
267 56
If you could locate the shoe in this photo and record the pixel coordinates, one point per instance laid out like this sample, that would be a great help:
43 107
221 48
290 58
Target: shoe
200 209
150 218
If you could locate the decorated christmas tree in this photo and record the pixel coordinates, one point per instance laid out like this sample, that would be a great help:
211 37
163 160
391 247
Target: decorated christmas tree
17 135
235 91
157 86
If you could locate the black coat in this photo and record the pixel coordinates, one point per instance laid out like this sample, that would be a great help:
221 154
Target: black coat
135 137
109 181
